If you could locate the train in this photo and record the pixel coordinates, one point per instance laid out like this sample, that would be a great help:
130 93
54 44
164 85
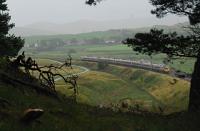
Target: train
142 64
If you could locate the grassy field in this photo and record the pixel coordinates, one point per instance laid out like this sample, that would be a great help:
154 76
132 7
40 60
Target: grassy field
115 84
64 115
114 51
116 34
64 71
98 88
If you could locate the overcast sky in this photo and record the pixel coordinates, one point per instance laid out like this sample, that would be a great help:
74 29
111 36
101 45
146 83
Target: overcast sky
26 12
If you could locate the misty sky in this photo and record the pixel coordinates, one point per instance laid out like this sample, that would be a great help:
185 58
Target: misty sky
26 12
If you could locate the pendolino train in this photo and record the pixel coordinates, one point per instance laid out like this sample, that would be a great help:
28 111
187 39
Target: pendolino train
143 64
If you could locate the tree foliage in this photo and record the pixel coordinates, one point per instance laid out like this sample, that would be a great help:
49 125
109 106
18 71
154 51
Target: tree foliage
190 8
172 44
156 41
9 44
92 2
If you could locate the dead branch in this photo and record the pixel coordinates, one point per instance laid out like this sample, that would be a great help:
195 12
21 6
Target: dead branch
46 74
68 62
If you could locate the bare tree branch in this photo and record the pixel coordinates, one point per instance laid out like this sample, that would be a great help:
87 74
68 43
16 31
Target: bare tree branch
46 74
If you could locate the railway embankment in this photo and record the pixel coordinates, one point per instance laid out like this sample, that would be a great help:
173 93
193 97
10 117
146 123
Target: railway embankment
141 64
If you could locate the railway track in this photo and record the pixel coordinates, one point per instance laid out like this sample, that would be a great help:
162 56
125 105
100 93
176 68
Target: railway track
159 68
85 70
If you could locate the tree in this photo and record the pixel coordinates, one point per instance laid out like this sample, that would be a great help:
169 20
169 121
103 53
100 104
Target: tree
92 2
102 65
172 44
9 44
190 8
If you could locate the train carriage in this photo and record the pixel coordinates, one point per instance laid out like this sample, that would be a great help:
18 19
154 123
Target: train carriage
137 64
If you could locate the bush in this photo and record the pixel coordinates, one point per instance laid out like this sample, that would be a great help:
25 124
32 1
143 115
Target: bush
71 51
102 65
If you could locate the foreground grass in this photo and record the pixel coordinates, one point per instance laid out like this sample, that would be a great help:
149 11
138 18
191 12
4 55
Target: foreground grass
64 115
99 88
116 84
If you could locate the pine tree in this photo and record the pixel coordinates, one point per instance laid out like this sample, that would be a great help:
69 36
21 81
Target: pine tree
172 44
9 44
156 41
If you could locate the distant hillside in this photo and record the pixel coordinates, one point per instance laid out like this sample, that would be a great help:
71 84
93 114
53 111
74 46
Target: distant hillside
85 26
23 31
114 34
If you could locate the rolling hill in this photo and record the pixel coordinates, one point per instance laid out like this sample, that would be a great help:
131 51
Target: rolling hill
114 84
85 26
109 34
64 114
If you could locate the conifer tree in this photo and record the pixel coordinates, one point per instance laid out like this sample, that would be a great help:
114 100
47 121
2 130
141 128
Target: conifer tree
156 41
9 44
172 44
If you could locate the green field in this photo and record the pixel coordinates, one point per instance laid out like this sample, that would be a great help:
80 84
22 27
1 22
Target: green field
103 86
116 34
65 115
116 84
65 71
114 51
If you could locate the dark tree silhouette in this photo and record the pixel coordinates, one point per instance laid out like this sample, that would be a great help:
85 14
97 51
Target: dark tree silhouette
47 74
172 44
9 44
190 8
92 2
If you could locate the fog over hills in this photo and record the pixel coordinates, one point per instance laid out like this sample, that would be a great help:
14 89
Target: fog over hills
84 26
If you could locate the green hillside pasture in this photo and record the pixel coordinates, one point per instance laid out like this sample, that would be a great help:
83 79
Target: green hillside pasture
99 88
152 91
171 93
174 95
105 35
113 51
63 115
